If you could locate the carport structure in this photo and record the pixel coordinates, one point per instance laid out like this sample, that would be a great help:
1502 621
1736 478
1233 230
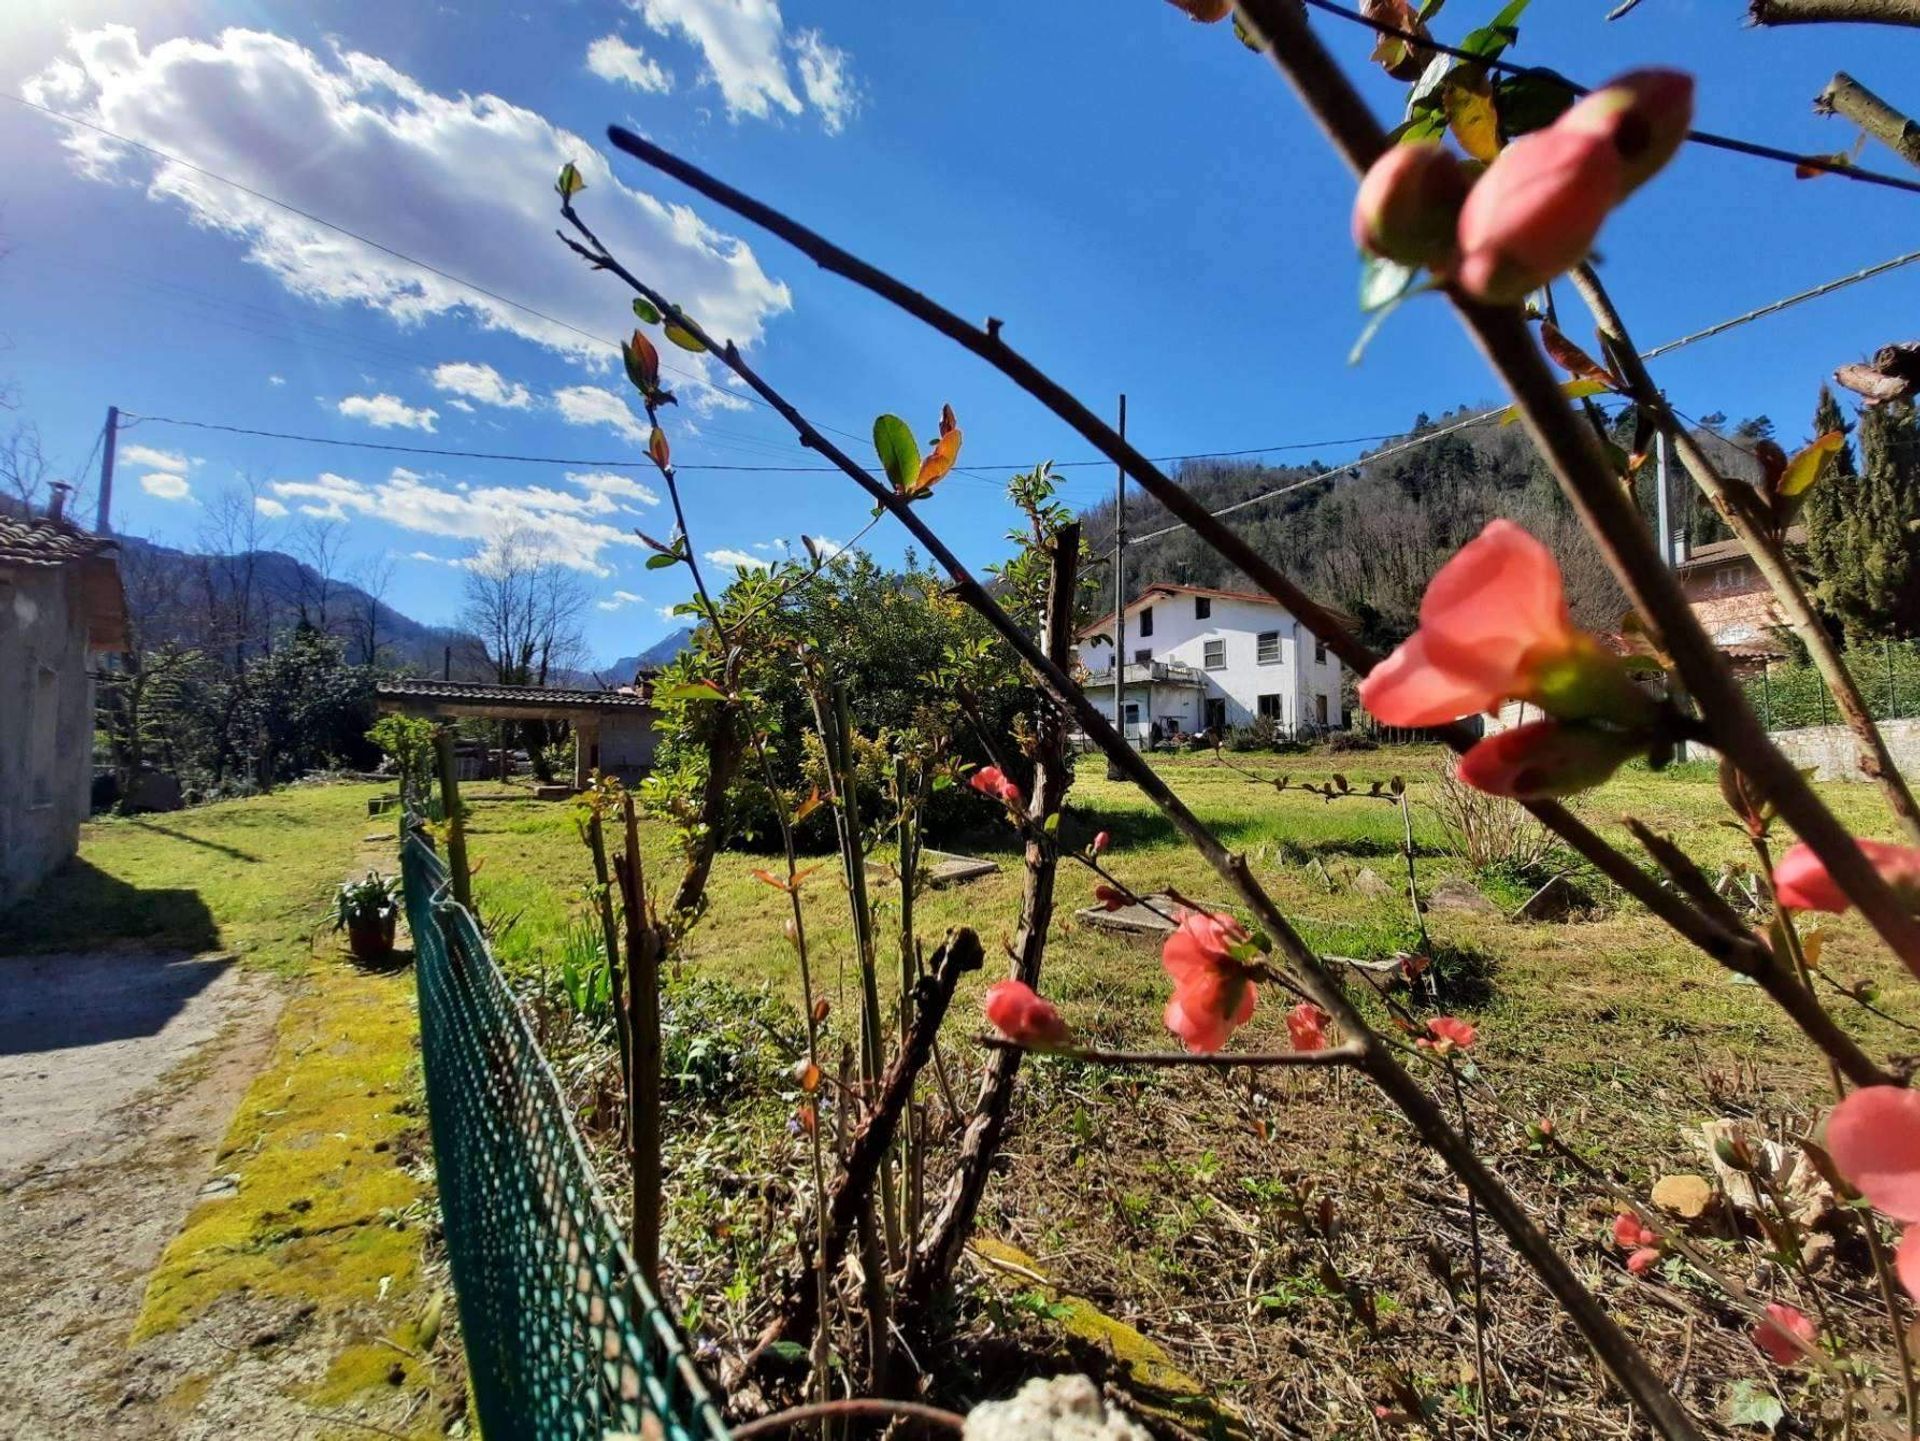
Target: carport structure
613 729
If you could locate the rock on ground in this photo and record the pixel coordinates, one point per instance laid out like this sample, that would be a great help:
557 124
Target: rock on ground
1065 1408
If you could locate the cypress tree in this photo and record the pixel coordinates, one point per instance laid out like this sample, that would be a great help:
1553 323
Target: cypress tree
1863 531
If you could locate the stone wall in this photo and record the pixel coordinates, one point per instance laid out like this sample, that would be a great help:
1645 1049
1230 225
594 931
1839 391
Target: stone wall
46 723
1835 754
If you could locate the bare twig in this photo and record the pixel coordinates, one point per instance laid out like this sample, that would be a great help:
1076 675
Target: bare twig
1735 504
854 1406
1813 12
1847 97
848 1197
947 1233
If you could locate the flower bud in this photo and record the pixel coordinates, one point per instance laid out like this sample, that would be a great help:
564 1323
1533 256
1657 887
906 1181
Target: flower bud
1536 212
1643 114
1409 206
1545 759
1017 1012
1101 842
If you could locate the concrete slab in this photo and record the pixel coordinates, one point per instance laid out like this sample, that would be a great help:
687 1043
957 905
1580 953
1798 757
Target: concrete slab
1132 920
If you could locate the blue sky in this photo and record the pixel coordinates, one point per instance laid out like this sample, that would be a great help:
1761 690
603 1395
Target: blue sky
1137 197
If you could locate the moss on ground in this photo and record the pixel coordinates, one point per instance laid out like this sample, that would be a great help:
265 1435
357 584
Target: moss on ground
323 1207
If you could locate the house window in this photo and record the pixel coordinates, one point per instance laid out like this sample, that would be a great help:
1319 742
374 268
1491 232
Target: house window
1146 621
1215 655
1203 607
1266 647
1269 706
1320 711
1734 577
1143 657
1319 651
1132 713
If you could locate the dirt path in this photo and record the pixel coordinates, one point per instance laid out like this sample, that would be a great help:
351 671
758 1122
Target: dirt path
119 1072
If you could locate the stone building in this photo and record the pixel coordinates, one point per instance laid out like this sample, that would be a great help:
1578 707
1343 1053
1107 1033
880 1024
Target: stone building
60 605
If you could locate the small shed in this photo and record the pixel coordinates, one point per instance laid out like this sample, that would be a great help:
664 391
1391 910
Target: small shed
613 729
61 604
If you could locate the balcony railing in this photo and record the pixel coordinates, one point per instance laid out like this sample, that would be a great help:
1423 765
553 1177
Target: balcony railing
1159 672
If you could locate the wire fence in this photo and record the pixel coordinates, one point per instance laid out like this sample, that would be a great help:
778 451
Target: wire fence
1789 695
563 1338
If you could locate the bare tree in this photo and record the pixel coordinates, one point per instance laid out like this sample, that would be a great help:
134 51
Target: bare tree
316 543
23 466
374 578
523 611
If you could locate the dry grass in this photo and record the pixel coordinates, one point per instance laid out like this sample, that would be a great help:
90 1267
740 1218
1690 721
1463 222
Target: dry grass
1177 1202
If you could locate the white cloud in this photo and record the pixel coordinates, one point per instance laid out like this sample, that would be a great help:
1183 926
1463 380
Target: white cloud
166 485
463 182
482 383
594 405
618 600
612 58
823 73
384 412
276 380
612 483
558 524
153 459
269 507
666 612
742 42
739 559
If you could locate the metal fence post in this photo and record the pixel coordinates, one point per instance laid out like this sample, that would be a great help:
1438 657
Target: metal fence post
1893 698
455 818
1766 690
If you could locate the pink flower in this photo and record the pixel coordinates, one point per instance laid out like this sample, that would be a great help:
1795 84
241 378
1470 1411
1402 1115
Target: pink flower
1544 759
1785 1334
1643 114
1630 1233
1494 626
1101 842
1306 1027
1408 207
991 781
1801 882
1874 1139
1213 994
1017 1012
1640 1241
1536 211
1447 1034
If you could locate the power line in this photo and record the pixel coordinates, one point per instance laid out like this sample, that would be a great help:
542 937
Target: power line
1413 442
1699 137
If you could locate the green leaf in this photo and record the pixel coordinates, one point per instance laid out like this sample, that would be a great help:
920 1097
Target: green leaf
662 561
1497 34
683 338
643 308
899 452
1385 283
1532 101
1750 1404
699 690
791 1352
569 184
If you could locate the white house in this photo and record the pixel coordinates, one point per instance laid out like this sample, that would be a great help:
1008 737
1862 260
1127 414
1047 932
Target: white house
1203 659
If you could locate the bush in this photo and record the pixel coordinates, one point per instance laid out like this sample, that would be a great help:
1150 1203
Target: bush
1486 831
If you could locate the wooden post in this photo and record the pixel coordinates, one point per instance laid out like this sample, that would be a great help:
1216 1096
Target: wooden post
586 735
456 822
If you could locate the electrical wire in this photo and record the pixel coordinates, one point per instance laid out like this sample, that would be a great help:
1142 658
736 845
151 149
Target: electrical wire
1731 143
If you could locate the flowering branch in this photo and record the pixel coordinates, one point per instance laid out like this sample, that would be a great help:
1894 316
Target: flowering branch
1568 445
1378 1060
1735 504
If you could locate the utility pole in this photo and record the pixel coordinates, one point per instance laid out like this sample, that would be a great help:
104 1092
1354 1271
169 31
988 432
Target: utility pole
1120 599
102 518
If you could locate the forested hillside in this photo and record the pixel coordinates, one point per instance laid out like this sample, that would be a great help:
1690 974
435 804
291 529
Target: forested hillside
1368 541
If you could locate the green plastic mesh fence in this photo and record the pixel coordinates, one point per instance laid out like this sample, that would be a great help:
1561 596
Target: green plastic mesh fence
562 1339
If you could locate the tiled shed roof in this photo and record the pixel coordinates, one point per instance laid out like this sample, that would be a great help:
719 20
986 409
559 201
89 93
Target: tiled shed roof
460 692
41 540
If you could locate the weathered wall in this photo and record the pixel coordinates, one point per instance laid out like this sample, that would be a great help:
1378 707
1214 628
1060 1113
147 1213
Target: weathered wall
626 742
46 723
1833 750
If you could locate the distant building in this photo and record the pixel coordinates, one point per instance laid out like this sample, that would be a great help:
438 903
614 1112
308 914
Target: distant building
1731 600
60 605
1202 659
613 729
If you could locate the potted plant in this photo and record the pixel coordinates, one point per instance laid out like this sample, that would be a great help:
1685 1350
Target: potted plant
368 911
